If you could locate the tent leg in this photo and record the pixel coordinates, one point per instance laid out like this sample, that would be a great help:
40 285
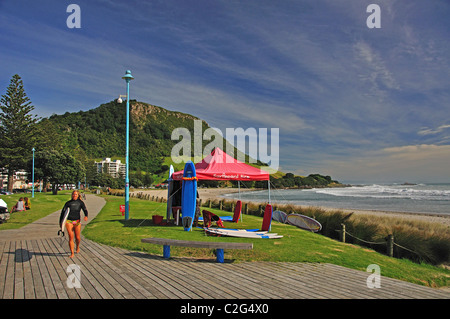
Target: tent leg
239 187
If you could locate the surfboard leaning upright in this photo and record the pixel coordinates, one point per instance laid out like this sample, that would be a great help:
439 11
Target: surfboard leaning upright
188 195
169 191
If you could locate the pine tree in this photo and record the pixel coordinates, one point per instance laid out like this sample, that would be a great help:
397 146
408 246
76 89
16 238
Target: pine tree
18 129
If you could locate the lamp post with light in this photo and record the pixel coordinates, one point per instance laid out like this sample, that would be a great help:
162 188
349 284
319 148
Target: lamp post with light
32 177
127 77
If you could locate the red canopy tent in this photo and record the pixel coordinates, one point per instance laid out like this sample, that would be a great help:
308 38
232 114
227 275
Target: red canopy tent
221 166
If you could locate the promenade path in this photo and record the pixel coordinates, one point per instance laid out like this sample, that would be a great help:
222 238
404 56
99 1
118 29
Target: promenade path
34 264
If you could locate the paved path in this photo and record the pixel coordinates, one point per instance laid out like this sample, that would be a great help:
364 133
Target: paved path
34 264
46 227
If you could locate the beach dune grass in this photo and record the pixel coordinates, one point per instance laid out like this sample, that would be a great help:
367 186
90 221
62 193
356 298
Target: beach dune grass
297 245
416 240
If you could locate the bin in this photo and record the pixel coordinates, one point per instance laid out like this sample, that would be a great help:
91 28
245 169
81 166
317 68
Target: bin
157 219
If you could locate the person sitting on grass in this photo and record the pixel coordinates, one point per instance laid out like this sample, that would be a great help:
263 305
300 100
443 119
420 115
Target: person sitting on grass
27 203
20 206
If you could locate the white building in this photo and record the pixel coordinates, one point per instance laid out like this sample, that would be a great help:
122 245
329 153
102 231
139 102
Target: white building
114 168
19 179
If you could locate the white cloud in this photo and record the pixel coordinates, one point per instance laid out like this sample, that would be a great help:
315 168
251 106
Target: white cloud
376 70
430 131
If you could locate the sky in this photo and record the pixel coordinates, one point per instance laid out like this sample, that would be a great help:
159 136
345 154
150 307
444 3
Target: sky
358 103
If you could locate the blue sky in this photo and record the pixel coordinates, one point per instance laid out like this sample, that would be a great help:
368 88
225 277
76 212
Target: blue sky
359 104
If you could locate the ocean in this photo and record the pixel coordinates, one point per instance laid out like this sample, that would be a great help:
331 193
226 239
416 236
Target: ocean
417 198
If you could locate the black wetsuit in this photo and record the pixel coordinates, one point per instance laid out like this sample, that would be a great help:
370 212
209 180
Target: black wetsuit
75 208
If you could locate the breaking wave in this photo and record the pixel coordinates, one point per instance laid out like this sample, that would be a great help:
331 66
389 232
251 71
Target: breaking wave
416 192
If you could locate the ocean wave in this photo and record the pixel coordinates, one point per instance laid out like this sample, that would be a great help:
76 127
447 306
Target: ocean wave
388 191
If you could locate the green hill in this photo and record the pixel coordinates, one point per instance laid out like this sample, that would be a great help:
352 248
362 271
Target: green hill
100 132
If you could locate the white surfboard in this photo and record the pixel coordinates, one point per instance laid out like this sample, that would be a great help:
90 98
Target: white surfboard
243 234
169 192
239 230
62 225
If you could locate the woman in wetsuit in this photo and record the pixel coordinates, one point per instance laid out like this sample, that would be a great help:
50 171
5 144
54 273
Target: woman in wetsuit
73 224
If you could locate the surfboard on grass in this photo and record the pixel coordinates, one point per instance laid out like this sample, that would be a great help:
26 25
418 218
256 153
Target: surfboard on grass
304 222
249 233
279 216
223 218
188 196
239 230
236 216
243 234
169 191
62 224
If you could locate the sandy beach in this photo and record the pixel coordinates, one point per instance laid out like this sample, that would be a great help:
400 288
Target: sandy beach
214 193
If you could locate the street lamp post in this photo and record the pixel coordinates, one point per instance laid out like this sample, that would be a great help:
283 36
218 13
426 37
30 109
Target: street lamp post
127 77
32 177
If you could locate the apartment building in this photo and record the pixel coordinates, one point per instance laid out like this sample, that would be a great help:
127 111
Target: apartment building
114 168
19 179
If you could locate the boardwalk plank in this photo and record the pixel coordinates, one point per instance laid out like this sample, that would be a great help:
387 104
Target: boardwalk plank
65 260
27 276
117 261
221 279
394 287
321 278
8 291
172 278
46 280
61 262
38 285
276 277
37 269
116 270
193 276
98 269
58 280
4 249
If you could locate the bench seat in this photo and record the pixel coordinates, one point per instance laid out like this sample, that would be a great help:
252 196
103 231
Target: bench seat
219 246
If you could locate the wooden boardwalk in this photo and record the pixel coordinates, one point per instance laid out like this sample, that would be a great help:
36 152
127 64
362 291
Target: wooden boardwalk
35 264
38 269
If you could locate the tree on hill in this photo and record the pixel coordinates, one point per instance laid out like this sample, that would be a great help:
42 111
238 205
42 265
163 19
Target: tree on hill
18 129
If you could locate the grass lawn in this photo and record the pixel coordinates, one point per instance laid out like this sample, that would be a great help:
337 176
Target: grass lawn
297 245
42 205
